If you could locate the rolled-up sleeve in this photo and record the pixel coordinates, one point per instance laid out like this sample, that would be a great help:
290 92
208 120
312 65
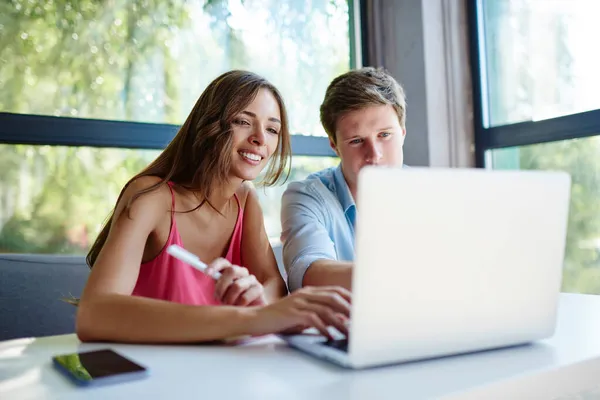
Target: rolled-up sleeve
304 233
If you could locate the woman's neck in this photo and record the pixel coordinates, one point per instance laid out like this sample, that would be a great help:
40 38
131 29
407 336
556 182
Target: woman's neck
220 195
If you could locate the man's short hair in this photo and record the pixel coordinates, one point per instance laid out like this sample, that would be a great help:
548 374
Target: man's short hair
358 89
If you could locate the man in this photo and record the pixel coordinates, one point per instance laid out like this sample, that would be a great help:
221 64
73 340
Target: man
364 114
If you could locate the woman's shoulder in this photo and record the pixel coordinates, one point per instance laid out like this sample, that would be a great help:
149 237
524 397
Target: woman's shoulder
246 192
146 192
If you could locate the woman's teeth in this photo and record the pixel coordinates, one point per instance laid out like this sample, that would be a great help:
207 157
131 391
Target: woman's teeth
250 156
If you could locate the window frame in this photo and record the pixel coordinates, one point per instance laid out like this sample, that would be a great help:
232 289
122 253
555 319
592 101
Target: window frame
572 126
42 130
33 129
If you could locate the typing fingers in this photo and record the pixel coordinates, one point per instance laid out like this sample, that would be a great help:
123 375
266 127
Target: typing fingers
311 318
329 317
343 292
331 299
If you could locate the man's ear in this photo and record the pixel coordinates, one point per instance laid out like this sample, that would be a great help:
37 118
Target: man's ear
403 135
333 147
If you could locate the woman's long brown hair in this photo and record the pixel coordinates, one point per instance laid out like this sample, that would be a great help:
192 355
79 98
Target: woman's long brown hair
199 156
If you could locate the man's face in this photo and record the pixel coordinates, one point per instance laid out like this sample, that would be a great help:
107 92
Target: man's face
369 136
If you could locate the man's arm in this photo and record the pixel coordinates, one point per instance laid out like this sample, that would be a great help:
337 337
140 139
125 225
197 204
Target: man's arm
329 273
308 252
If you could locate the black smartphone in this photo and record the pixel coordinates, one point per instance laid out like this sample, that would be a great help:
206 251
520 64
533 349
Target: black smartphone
98 367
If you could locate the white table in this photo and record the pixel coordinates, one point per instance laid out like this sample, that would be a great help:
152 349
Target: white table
268 369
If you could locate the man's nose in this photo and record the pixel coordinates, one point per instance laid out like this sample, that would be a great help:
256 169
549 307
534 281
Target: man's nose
373 153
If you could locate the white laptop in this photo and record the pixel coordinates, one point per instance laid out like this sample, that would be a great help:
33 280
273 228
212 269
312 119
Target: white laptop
450 261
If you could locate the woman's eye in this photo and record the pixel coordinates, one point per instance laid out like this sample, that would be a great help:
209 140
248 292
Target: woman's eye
240 122
273 131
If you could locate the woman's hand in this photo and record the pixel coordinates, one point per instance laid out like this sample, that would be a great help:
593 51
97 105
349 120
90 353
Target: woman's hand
318 307
236 286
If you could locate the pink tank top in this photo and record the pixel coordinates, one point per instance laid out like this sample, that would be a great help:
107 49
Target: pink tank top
167 278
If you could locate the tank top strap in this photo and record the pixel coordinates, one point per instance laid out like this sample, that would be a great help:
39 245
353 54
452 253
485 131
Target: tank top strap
237 199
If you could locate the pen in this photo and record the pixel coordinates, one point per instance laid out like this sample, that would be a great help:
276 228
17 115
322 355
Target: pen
183 255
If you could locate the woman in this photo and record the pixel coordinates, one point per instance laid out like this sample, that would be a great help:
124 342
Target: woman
196 195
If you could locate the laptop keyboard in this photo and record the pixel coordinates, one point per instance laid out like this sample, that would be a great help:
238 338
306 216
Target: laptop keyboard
340 344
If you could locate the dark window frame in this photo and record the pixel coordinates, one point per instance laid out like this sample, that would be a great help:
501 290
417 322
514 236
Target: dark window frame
573 126
66 131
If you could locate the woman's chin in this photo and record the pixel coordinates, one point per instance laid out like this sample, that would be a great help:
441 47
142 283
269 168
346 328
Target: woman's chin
245 175
247 172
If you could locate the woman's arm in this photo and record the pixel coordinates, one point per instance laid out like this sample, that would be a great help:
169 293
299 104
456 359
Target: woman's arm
107 311
125 318
257 252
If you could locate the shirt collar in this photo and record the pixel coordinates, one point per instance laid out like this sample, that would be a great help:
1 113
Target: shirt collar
342 190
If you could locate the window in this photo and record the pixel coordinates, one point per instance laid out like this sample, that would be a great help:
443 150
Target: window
55 199
581 159
91 91
540 58
536 84
149 60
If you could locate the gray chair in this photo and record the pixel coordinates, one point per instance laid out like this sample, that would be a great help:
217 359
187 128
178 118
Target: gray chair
31 288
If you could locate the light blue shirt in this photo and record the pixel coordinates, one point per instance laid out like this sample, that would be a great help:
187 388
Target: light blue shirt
318 216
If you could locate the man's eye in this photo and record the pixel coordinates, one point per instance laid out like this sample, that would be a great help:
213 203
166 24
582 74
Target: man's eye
356 141
385 134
